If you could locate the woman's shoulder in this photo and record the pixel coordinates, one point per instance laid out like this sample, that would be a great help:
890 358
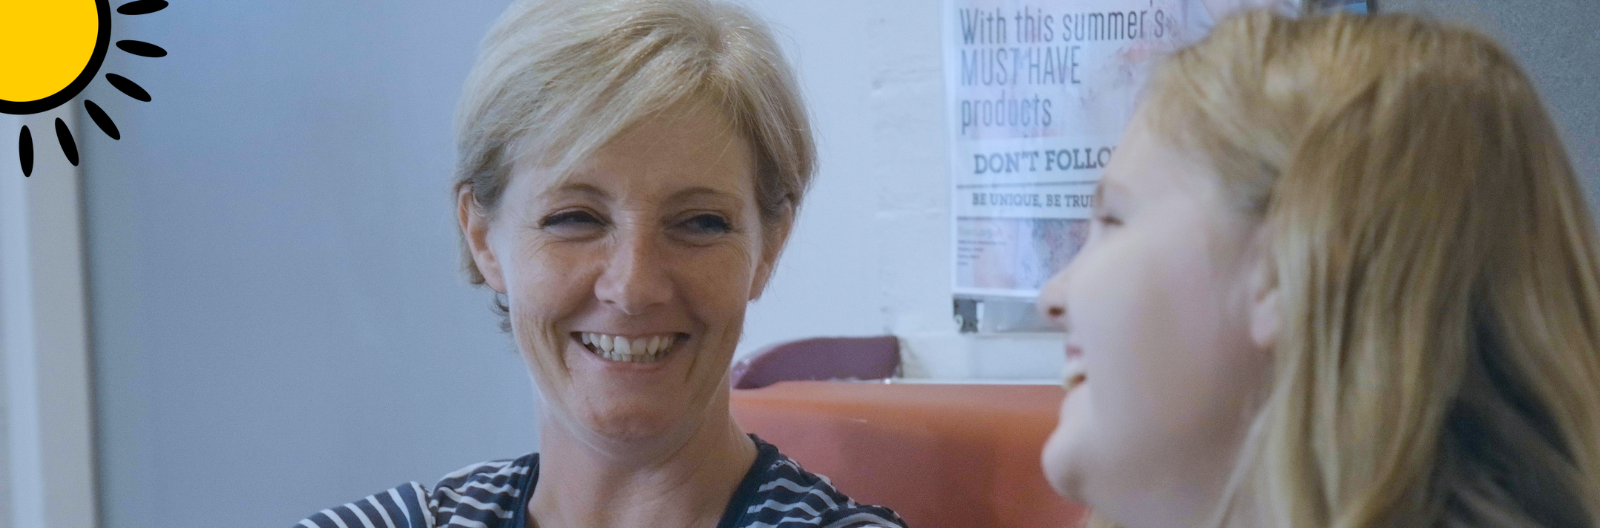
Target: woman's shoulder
483 494
784 492
402 506
480 495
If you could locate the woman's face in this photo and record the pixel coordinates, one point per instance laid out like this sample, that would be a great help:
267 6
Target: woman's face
627 281
1162 359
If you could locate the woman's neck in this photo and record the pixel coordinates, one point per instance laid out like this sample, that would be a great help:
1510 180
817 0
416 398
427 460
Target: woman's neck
688 484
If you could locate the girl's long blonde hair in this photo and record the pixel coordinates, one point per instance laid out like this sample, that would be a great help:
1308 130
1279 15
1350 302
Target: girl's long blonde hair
1438 360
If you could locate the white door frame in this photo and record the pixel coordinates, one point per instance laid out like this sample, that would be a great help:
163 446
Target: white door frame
47 443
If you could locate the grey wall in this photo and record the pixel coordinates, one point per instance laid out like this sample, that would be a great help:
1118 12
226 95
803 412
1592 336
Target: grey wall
5 433
278 321
1558 42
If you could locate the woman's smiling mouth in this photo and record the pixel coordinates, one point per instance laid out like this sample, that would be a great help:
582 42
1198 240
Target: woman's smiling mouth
638 349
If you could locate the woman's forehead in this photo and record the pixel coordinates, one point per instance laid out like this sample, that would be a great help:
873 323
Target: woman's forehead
698 126
691 155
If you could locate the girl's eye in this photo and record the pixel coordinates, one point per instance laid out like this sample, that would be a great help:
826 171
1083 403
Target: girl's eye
1107 220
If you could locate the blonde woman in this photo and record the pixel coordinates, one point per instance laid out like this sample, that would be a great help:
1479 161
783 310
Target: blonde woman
629 171
1341 273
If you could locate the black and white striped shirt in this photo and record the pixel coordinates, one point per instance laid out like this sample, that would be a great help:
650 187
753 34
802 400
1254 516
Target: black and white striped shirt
775 493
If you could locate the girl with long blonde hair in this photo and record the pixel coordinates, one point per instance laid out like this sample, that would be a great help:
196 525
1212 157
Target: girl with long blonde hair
1341 274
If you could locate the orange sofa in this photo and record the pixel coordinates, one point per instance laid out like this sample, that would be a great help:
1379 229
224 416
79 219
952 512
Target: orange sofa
942 455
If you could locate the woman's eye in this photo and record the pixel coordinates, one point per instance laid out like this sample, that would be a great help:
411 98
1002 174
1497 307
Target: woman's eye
708 223
569 217
1107 220
570 222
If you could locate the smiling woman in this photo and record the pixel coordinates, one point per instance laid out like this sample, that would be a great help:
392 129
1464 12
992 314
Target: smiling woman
629 171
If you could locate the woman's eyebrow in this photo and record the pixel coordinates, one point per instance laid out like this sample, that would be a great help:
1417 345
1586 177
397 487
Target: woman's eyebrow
701 191
580 188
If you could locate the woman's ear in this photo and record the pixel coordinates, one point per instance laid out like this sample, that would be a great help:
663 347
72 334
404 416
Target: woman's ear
772 241
475 231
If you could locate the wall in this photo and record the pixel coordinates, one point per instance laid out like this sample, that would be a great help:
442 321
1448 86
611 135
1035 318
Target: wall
278 319
48 448
5 432
277 316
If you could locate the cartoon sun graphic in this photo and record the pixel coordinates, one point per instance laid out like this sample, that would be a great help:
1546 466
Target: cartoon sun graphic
50 50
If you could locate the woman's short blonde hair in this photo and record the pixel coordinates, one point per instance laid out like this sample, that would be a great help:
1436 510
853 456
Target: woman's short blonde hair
1438 358
558 79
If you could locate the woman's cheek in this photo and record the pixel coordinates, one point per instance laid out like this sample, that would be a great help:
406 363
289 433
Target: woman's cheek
723 274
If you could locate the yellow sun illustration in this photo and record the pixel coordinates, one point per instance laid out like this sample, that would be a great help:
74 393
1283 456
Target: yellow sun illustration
50 50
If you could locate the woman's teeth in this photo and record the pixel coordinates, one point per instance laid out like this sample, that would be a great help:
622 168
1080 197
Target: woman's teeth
1074 373
635 350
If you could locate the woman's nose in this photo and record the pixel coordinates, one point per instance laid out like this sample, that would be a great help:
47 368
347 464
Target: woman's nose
635 277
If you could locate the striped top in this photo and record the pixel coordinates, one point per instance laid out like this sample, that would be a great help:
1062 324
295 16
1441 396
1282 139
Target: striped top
775 493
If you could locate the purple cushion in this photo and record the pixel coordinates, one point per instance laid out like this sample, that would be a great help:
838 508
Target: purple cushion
821 358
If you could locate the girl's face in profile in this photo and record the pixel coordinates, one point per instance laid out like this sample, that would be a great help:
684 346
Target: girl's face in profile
1168 328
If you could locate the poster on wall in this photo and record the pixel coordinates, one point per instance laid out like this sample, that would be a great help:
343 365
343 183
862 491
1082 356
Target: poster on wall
1038 94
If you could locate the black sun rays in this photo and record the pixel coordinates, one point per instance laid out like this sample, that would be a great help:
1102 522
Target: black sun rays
50 51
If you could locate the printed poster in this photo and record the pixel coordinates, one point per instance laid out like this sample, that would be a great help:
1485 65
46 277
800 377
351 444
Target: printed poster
1039 92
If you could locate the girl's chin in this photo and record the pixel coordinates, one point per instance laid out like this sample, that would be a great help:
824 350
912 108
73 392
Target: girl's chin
1065 451
1061 469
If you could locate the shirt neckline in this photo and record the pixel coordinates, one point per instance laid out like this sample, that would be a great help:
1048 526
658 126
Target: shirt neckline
749 486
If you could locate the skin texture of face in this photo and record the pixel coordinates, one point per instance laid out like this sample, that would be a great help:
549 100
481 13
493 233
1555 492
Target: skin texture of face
1158 310
659 233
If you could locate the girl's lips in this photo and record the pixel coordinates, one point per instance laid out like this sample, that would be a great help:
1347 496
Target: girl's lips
1075 372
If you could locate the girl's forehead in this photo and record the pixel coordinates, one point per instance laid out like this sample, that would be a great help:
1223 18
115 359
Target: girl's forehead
1150 162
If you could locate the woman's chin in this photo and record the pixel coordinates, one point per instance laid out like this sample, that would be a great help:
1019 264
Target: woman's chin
634 421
